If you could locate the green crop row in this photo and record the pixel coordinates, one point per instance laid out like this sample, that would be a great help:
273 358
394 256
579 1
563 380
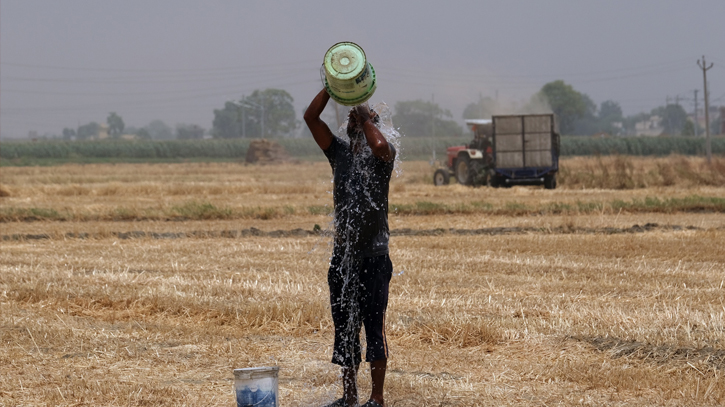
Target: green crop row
411 148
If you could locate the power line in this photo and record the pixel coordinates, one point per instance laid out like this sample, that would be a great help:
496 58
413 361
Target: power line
152 102
680 63
86 69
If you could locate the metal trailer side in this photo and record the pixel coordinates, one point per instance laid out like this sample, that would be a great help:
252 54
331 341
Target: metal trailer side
525 149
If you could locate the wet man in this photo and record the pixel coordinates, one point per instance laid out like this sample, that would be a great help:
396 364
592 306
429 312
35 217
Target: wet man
360 269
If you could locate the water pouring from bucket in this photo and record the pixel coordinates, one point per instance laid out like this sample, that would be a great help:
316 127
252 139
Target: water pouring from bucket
347 75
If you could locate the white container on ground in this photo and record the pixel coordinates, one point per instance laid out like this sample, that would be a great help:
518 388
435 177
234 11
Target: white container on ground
257 386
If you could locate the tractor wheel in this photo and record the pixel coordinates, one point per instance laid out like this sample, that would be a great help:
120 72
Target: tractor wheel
441 177
462 174
494 181
550 181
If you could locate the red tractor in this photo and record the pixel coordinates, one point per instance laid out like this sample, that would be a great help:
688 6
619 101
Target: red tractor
505 151
472 163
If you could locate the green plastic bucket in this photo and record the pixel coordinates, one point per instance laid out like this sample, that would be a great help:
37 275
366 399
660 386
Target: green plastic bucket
349 78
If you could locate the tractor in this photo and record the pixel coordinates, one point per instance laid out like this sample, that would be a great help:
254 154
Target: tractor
506 151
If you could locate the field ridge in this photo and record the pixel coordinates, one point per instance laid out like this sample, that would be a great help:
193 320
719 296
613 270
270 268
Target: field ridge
299 232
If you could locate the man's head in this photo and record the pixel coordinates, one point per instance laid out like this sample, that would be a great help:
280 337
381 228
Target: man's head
356 118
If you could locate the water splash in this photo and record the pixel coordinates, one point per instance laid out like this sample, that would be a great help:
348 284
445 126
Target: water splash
390 132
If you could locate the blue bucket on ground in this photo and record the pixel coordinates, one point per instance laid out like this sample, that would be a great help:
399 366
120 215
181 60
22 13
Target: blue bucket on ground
257 386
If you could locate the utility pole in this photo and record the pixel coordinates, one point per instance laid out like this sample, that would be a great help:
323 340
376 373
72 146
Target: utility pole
705 68
433 116
697 122
245 103
480 104
244 114
262 115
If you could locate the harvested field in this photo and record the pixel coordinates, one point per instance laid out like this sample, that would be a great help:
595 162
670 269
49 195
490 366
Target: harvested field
141 284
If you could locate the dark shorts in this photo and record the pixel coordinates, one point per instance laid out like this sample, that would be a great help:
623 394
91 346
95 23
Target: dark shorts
359 296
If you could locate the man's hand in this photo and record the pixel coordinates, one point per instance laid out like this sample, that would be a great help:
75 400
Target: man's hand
363 113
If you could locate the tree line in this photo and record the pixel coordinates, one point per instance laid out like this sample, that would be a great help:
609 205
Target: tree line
116 129
270 113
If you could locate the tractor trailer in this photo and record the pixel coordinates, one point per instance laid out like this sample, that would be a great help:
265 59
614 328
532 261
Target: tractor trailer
505 151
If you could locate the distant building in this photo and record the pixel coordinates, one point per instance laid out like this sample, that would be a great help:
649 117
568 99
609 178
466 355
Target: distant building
651 127
102 131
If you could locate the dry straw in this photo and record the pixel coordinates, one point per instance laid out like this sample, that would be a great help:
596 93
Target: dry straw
547 316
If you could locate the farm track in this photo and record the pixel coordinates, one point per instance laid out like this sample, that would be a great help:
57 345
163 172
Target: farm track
299 232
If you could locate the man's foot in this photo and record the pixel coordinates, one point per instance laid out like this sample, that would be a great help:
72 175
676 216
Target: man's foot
372 403
341 403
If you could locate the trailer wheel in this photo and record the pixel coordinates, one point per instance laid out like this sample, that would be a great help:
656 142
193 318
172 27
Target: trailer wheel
441 177
462 175
550 181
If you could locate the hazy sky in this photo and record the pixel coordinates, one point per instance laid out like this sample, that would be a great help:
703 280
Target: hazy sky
73 61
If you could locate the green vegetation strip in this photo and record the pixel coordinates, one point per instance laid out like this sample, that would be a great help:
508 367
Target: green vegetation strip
318 231
693 203
194 210
57 152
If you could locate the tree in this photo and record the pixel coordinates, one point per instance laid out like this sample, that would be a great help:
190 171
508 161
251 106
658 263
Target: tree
673 117
630 122
68 133
688 130
272 109
610 110
159 130
115 125
227 122
484 108
589 123
419 118
88 131
568 104
267 113
189 132
143 134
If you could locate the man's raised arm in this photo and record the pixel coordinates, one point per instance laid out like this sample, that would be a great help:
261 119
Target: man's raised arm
322 134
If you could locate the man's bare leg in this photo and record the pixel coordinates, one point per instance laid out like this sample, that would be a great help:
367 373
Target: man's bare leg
349 385
377 374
